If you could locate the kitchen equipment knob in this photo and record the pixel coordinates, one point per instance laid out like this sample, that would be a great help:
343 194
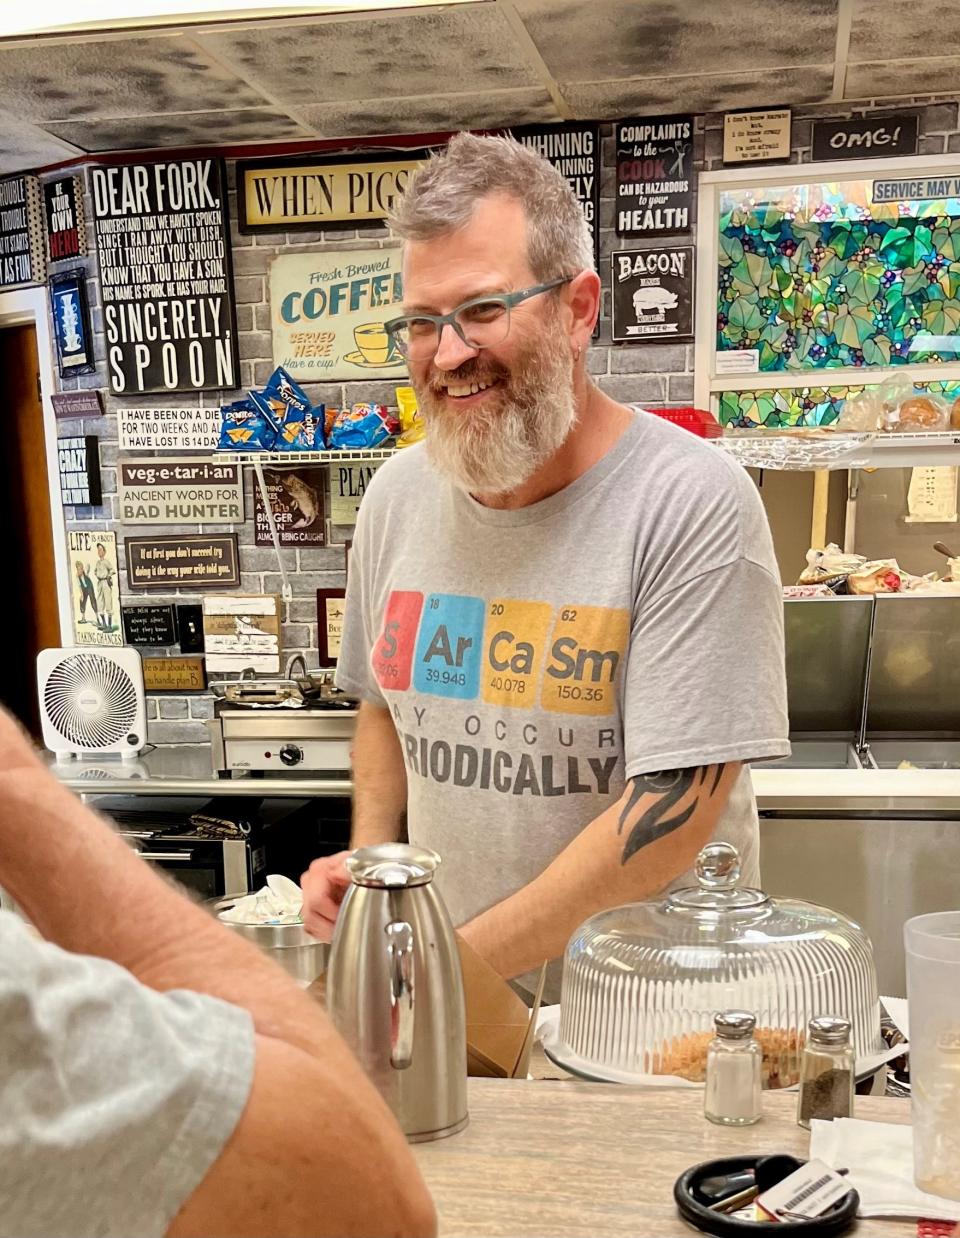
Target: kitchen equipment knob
291 754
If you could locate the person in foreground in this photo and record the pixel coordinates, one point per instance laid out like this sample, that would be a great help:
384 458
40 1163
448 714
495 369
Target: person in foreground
563 615
158 1074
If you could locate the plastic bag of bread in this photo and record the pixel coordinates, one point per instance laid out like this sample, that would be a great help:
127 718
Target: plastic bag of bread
917 413
862 412
955 414
877 576
831 567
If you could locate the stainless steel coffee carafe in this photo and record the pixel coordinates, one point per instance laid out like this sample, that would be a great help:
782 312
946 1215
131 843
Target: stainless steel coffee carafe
394 988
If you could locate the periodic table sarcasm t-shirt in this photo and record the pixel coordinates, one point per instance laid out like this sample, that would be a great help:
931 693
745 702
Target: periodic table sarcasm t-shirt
532 660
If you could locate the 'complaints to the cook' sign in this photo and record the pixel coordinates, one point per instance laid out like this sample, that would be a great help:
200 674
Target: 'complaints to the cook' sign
165 276
328 312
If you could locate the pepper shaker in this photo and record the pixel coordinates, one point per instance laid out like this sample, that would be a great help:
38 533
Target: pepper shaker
732 1092
826 1071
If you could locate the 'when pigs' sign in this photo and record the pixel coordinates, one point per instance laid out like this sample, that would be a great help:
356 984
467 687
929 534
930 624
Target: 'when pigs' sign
652 291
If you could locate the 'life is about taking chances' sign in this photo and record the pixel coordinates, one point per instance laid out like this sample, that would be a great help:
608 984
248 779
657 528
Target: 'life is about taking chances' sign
165 276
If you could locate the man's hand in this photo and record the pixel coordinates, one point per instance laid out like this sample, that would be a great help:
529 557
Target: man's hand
324 885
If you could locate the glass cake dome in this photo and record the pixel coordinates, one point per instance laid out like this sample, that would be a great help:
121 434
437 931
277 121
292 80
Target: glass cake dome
642 982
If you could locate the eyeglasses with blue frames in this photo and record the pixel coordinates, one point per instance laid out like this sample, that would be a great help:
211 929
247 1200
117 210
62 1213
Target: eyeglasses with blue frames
481 322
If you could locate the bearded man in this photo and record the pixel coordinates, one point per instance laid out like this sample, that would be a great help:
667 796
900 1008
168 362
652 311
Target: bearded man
547 604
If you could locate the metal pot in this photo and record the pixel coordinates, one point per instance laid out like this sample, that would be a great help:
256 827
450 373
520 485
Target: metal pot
300 955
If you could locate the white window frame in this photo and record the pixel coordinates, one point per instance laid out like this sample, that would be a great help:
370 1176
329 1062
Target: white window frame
707 384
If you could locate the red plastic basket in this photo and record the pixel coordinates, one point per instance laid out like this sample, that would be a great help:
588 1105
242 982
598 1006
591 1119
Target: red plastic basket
696 420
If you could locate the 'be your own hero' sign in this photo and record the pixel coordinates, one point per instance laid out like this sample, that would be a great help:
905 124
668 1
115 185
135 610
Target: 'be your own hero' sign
165 277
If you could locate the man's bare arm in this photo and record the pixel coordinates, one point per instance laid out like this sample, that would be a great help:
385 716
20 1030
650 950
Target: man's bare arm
628 853
379 779
336 1165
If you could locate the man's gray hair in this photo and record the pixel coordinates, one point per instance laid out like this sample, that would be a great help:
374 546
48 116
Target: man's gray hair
443 194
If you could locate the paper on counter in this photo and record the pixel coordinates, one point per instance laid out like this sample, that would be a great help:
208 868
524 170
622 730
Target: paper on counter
879 1156
897 1009
279 902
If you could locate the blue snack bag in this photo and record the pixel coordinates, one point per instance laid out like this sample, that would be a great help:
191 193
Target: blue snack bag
280 386
363 425
246 427
301 431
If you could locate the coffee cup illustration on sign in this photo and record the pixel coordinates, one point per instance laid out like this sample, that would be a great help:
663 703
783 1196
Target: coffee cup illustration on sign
374 347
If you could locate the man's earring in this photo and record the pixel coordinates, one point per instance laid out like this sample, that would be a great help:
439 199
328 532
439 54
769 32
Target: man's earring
576 355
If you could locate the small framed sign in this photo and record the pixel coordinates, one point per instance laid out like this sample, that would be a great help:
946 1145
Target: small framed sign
241 632
169 429
574 150
77 404
330 610
63 212
71 322
78 459
296 497
655 176
149 625
652 293
157 490
322 191
187 560
758 135
348 485
23 257
174 674
94 576
866 137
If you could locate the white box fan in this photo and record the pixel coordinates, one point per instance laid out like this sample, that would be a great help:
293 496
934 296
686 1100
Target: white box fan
92 701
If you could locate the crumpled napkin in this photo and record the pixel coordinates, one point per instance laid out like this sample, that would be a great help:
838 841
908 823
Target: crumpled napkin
279 902
879 1156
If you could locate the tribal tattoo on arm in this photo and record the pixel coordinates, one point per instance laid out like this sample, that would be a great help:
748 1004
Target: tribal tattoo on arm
669 788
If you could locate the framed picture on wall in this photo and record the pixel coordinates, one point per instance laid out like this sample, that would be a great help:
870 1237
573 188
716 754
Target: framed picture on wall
330 608
71 323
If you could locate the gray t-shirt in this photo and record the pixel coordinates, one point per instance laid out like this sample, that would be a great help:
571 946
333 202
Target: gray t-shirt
115 1100
532 660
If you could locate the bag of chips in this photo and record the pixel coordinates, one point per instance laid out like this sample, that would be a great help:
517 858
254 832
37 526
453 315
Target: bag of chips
363 425
280 386
246 426
301 431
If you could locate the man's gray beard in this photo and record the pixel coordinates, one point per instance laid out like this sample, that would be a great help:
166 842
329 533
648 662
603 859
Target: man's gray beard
493 451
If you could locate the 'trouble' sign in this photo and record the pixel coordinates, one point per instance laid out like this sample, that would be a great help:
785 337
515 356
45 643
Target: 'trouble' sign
654 176
165 276
23 259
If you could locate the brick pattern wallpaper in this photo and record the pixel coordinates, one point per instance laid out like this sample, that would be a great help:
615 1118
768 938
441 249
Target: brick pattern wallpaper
655 374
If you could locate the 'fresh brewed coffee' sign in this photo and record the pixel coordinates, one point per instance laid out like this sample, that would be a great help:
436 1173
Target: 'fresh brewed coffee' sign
165 276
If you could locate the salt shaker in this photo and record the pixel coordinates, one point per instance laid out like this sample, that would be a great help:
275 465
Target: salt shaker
826 1071
734 1058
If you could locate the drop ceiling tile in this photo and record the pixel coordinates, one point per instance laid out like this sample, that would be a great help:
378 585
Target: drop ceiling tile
191 129
889 78
608 39
429 114
114 77
468 48
24 146
882 28
717 93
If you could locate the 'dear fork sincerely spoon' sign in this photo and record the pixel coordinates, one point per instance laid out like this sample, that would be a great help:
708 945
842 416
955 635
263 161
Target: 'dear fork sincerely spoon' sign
165 276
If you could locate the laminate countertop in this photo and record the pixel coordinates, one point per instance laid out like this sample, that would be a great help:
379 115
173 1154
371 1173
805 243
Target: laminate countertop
569 1159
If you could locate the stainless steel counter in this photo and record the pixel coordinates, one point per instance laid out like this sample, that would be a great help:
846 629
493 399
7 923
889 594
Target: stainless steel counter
186 769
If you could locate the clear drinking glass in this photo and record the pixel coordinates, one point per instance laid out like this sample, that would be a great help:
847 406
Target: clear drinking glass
933 991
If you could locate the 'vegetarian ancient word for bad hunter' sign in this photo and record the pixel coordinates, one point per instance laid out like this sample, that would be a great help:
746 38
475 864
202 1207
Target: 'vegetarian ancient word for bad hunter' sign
165 277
